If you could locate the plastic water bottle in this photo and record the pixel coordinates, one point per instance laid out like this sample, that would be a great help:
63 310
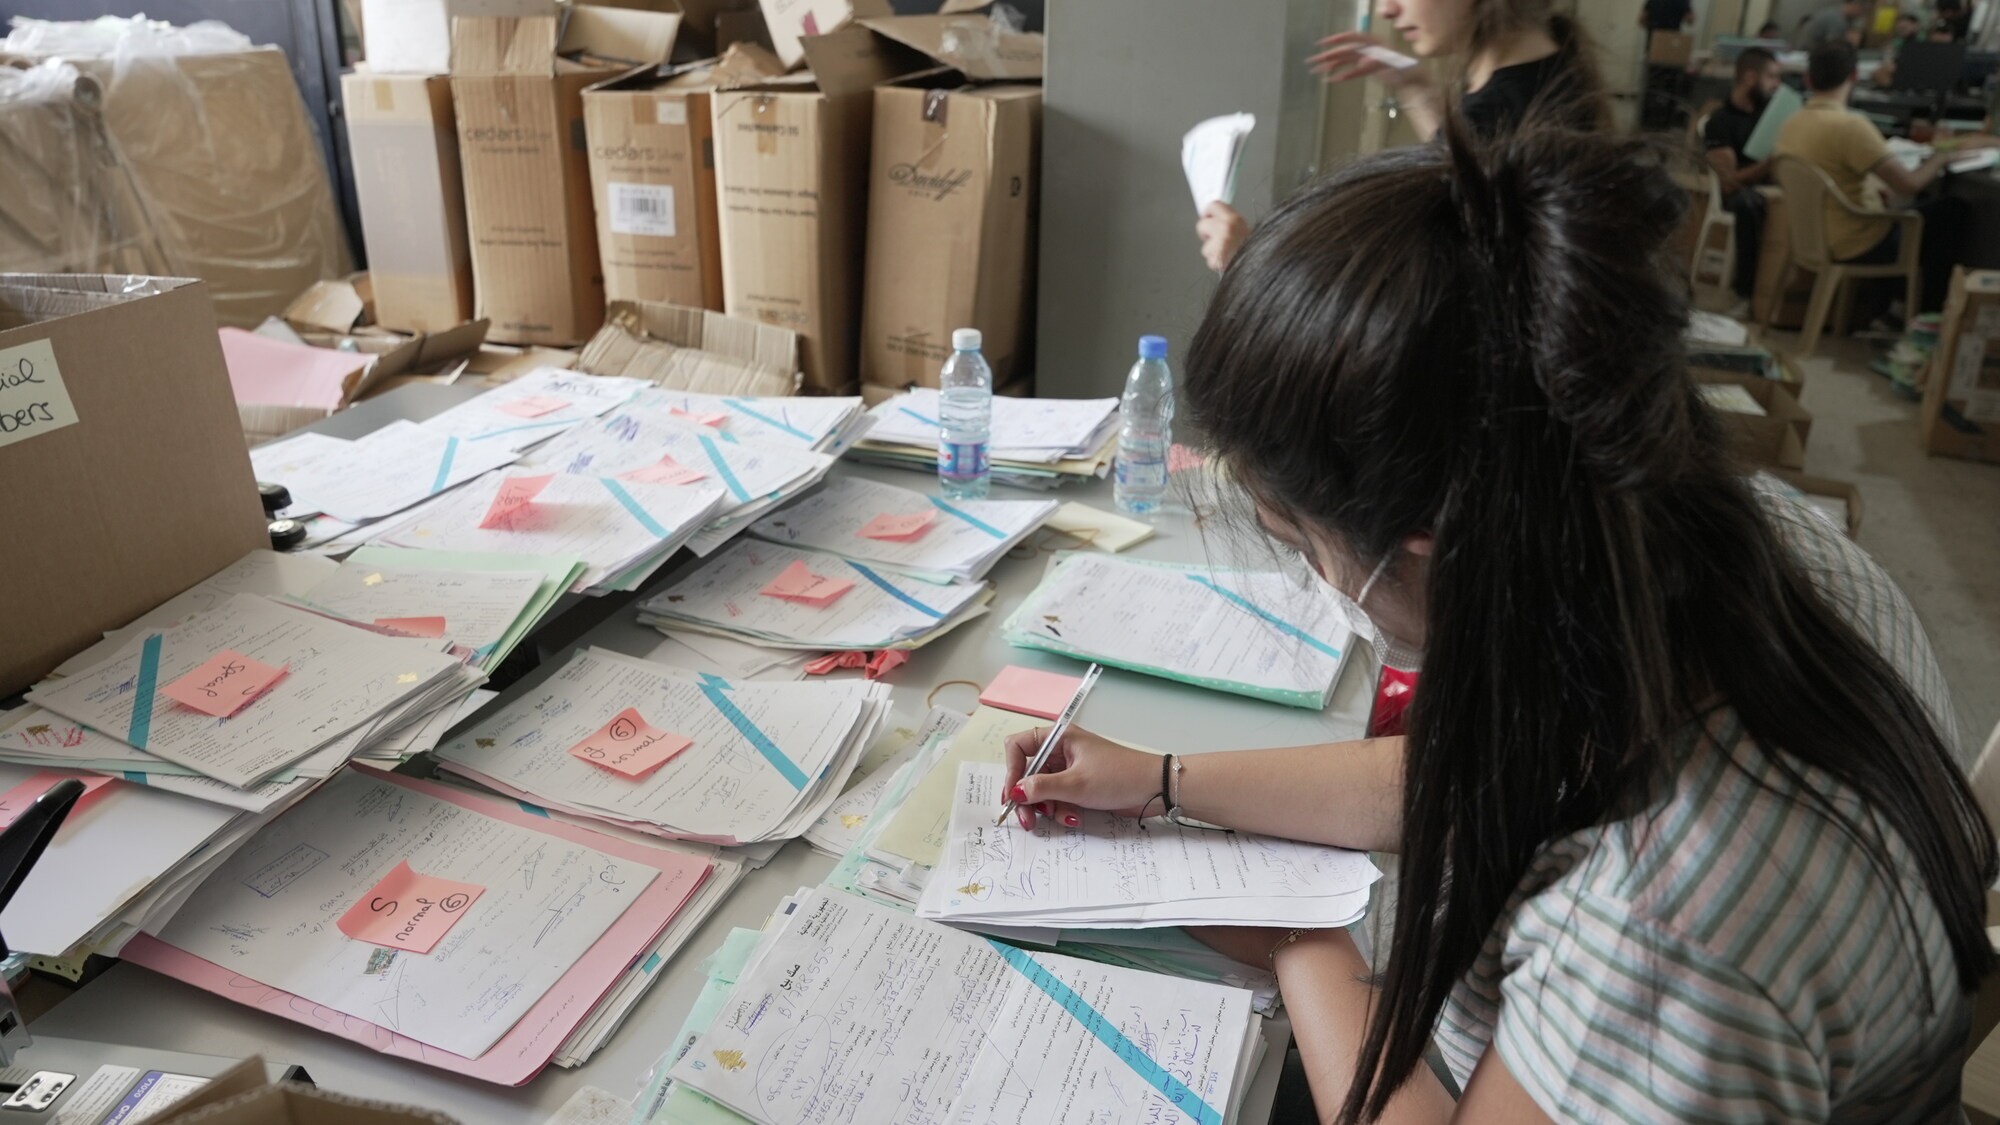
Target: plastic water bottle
1146 430
965 419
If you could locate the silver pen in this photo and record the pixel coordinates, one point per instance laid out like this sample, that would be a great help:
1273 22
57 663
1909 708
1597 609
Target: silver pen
1054 736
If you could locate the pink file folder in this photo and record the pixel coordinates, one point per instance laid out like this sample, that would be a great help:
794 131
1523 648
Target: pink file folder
267 372
528 1045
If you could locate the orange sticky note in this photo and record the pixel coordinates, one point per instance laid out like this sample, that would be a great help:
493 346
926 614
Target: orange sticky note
664 471
901 529
515 495
798 583
532 406
707 419
630 745
224 684
409 910
1041 694
414 626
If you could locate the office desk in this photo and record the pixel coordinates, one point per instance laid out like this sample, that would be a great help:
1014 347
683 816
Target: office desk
132 1005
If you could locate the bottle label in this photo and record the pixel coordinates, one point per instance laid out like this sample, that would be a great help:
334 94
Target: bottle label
1147 474
962 462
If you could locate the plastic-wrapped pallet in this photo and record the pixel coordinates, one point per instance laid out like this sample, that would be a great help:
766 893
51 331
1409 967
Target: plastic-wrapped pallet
67 203
216 138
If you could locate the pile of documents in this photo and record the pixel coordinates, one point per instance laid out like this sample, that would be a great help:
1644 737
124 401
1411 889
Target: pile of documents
777 596
658 750
534 408
946 1019
443 927
897 529
645 442
1262 634
1035 442
817 425
1112 871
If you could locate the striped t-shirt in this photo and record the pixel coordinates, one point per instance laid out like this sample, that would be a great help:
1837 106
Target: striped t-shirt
1730 955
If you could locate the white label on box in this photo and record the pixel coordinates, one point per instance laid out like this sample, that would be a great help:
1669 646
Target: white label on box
670 111
33 400
642 209
152 1095
1965 365
88 1101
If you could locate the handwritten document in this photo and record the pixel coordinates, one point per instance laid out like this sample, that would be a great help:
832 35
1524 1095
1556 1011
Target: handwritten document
1258 633
259 572
923 822
759 749
1024 429
339 678
271 912
494 419
795 423
905 530
478 607
859 1013
629 441
379 475
1118 872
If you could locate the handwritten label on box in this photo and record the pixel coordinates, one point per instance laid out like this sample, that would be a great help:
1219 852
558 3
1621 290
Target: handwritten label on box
629 745
409 910
224 684
33 399
898 528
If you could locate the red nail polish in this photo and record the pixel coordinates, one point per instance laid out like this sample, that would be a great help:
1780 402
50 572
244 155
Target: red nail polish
1019 796
1072 820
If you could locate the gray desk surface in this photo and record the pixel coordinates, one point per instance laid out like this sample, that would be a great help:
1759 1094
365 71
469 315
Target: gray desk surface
129 1005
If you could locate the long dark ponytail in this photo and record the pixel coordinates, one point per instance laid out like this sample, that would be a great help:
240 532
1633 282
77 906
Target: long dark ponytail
1482 342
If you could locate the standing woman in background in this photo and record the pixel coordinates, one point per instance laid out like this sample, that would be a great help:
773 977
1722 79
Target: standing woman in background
1518 59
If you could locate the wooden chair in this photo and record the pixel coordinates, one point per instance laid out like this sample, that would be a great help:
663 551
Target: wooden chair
1808 195
1713 266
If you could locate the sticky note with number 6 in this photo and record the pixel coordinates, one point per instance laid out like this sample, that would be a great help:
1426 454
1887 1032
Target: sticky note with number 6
409 910
629 745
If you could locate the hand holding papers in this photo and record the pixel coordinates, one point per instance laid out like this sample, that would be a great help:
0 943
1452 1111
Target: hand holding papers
904 530
1118 872
1255 633
1210 153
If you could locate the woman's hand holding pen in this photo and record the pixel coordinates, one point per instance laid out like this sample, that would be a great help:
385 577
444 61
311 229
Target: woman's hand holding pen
1084 771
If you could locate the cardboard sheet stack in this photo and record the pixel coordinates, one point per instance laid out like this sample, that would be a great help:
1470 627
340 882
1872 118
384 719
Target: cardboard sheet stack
1036 443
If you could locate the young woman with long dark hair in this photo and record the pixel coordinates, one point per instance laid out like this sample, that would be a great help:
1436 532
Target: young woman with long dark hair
1681 833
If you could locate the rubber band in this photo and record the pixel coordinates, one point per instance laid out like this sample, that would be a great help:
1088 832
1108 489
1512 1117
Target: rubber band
931 699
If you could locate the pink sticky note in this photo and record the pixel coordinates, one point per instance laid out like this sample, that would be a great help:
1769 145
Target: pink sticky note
409 910
414 626
515 494
712 420
532 406
628 744
664 471
17 800
901 529
798 583
1041 694
224 684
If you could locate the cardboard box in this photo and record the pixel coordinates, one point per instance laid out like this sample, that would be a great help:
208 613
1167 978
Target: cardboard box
379 358
1961 408
414 36
791 178
694 350
951 207
1669 48
140 484
652 178
1775 438
536 273
404 140
791 22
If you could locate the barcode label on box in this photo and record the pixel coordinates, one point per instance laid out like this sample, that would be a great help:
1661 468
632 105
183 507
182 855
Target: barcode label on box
642 209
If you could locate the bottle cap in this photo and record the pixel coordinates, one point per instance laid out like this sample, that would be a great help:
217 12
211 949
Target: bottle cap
965 339
1152 347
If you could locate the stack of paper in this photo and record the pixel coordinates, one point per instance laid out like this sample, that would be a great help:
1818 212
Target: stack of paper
251 687
390 583
1210 154
533 408
443 927
658 447
906 531
1035 443
259 572
817 425
358 482
622 529
1257 633
778 596
657 750
1118 872
943 1023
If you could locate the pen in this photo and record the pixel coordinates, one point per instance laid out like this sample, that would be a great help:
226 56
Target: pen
1055 734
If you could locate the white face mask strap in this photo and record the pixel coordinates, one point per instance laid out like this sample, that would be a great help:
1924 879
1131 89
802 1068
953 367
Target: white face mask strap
1380 568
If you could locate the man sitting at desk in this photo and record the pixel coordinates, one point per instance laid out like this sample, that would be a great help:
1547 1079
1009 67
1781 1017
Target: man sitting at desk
1849 148
1835 23
1727 131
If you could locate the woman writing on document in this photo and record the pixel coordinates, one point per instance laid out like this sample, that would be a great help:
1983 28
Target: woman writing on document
1516 60
1681 833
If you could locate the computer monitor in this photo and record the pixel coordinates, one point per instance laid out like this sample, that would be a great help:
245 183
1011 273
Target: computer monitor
1929 68
1979 66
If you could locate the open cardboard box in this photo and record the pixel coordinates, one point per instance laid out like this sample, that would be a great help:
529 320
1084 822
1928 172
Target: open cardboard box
689 349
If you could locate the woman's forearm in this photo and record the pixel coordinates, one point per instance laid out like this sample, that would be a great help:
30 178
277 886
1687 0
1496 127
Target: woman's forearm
1324 980
1347 794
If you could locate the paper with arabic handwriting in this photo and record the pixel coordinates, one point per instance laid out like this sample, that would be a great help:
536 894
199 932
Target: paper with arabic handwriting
259 572
379 475
859 1013
628 440
340 678
923 821
478 607
799 423
269 914
491 420
964 537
